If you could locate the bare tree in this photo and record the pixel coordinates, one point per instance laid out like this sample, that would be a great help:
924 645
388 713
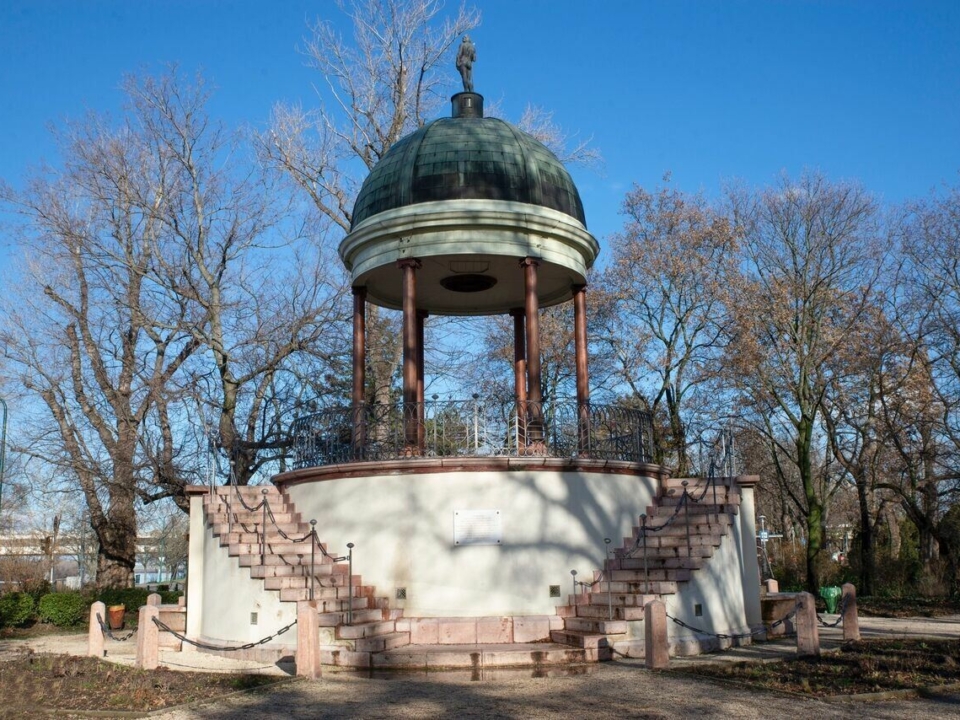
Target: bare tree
665 315
808 266
227 223
88 331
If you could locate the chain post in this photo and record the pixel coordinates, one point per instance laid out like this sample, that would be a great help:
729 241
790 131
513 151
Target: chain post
476 424
226 501
263 529
685 499
313 546
607 542
350 584
574 574
646 571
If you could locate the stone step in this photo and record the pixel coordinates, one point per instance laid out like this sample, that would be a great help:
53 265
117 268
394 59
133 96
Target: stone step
655 562
632 581
663 541
295 594
480 658
250 559
634 560
660 518
361 629
379 643
279 547
668 507
586 640
238 514
220 527
361 618
331 575
626 599
602 612
595 625
698 524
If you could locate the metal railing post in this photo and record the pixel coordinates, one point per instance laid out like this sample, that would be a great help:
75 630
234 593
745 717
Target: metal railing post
313 545
350 584
609 588
646 571
476 424
574 574
685 499
226 501
263 529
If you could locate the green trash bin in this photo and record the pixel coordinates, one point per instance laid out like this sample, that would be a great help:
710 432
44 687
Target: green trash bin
831 596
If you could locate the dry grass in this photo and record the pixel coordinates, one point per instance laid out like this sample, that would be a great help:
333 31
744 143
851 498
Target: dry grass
66 683
861 667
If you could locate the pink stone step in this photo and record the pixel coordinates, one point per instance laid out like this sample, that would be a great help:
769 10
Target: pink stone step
295 594
650 587
379 643
365 629
595 625
636 563
636 580
360 617
601 612
599 644
253 559
482 657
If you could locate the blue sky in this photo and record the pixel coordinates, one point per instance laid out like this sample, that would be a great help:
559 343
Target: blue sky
711 91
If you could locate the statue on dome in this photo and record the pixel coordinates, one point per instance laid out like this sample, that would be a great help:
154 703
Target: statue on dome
466 56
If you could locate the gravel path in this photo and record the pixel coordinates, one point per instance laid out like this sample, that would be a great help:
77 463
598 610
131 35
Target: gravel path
620 689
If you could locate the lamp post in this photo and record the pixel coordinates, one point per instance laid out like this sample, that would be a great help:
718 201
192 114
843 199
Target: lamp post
3 448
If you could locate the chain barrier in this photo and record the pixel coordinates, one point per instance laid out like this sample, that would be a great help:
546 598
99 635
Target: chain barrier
220 648
842 608
109 633
737 636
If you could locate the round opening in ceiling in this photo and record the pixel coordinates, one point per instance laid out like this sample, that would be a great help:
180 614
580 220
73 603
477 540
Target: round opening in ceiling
468 283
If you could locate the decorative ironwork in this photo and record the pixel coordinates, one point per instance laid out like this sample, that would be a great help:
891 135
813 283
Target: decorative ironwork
471 428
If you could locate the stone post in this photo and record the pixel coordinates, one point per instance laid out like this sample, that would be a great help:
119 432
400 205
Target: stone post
773 587
98 614
148 638
308 640
808 634
851 623
656 649
747 538
195 558
153 599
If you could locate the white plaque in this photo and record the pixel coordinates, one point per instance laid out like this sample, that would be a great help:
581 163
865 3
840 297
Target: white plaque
477 527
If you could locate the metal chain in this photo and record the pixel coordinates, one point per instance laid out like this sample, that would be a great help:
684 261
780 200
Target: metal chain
220 648
109 633
736 636
843 608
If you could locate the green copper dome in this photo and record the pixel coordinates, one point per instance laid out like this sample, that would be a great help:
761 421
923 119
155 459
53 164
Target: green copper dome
467 158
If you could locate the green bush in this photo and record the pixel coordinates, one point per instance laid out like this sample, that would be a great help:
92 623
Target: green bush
63 609
16 609
132 598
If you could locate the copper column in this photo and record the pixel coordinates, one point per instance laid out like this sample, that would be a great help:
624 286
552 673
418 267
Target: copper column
532 312
411 355
580 345
359 367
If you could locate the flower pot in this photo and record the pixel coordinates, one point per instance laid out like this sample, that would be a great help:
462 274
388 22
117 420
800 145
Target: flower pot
115 616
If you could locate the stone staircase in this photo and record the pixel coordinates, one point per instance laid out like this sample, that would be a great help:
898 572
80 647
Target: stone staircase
284 566
598 617
379 637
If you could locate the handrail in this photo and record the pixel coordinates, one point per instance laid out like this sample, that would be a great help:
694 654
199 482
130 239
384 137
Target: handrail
471 428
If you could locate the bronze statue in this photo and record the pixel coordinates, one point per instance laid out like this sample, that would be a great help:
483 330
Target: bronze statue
466 56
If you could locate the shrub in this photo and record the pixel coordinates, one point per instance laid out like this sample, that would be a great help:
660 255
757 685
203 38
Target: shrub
63 609
16 609
132 598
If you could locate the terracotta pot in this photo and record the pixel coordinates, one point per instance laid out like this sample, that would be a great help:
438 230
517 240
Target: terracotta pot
115 616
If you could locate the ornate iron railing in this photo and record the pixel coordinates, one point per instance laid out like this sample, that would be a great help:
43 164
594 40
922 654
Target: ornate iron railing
471 428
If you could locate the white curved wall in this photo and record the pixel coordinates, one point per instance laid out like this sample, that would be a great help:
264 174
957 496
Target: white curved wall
402 526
